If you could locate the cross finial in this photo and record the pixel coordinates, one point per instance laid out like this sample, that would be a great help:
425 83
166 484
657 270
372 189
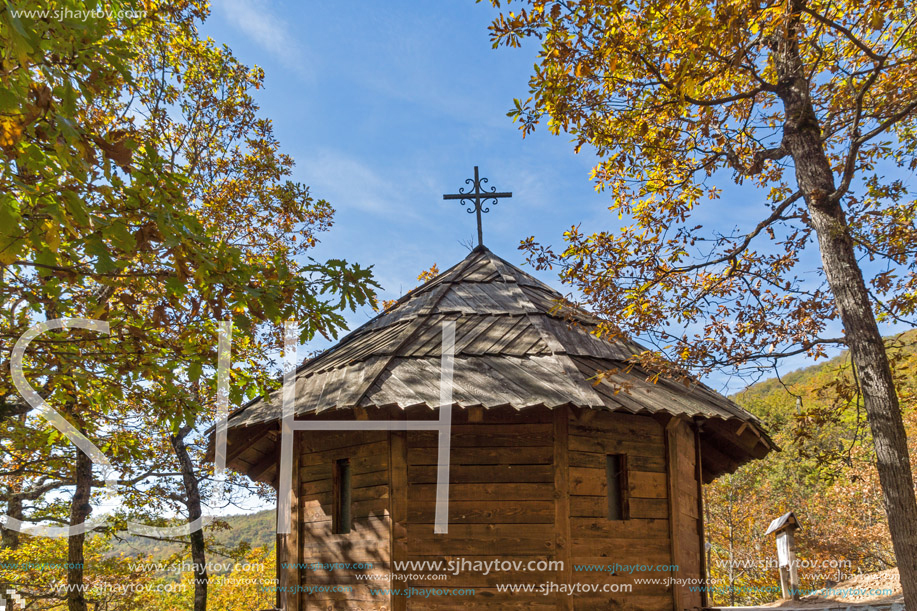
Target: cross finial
477 197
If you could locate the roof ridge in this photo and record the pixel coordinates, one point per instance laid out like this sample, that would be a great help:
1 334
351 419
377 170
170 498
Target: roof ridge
534 320
527 276
422 315
412 294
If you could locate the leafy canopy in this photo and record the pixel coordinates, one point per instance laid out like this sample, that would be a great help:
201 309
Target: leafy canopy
679 99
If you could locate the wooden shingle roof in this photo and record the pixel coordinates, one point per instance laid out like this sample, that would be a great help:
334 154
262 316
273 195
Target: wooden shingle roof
517 344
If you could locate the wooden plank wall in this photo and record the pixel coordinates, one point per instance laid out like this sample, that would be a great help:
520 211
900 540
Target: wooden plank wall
515 494
643 539
501 506
370 536
686 523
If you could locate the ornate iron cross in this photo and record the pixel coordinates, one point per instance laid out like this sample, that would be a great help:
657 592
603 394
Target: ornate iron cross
478 197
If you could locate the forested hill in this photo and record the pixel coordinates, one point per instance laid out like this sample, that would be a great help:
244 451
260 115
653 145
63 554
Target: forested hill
824 474
774 398
255 529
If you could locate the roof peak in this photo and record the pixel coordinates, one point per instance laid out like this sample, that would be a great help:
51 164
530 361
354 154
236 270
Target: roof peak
517 343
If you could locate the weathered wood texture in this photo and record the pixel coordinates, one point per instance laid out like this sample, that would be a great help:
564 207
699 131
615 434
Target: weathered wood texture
532 432
290 545
525 487
518 344
369 540
686 527
642 538
501 507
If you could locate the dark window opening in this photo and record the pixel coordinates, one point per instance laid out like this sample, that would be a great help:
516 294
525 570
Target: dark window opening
340 511
616 477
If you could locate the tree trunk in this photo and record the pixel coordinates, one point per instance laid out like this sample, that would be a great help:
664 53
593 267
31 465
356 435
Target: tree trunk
12 408
802 138
79 512
10 538
193 502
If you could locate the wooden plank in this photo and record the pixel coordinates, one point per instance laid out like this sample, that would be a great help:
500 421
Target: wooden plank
487 599
522 541
496 415
526 455
624 578
366 493
295 541
648 508
363 551
647 485
471 474
699 478
597 507
476 580
360 596
620 425
562 511
485 492
315 535
688 495
370 534
620 529
650 551
611 556
596 460
398 480
364 479
244 438
369 508
588 481
316 471
661 602
336 576
359 480
579 443
674 504
314 511
373 552
377 450
321 441
469 539
262 471
482 435
477 512
319 510
291 553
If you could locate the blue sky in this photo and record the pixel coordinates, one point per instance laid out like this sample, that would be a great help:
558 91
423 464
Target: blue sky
385 106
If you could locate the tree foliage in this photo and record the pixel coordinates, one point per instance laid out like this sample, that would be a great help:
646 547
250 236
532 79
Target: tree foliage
671 97
140 185
825 474
809 106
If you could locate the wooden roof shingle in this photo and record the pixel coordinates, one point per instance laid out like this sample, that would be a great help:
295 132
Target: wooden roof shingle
518 343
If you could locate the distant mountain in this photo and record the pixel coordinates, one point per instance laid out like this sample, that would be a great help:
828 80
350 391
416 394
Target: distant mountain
255 529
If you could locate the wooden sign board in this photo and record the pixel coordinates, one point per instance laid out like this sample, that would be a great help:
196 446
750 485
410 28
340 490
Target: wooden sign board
783 548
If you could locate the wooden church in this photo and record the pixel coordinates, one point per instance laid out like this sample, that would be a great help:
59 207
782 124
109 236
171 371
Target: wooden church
549 472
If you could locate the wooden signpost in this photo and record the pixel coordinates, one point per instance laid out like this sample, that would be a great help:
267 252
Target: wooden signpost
785 527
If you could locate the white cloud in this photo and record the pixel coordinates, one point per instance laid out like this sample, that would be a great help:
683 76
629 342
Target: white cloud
347 182
257 20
